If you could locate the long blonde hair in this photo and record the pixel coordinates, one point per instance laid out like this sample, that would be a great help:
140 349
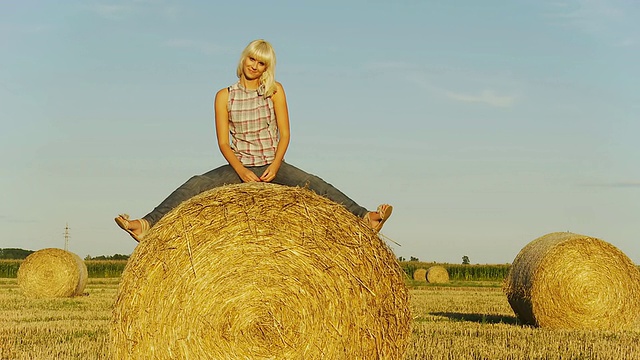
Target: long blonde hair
262 51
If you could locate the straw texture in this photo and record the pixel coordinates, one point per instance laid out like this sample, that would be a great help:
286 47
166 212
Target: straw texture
420 275
261 271
567 280
437 275
51 273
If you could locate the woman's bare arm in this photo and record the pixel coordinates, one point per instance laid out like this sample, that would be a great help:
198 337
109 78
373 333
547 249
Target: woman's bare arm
282 119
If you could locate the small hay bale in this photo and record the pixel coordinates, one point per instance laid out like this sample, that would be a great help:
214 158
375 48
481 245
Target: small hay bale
420 275
437 275
52 273
566 280
261 271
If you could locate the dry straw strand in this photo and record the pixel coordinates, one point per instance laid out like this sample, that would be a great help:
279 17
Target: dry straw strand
420 275
261 271
567 280
437 275
51 273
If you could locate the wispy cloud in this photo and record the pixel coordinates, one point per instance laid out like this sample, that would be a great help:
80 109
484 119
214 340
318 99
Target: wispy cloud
126 9
629 42
18 33
388 65
112 12
201 46
171 12
487 97
621 184
613 21
424 78
484 97
23 28
15 220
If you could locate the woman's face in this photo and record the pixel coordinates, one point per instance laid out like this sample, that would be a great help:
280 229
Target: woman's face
253 68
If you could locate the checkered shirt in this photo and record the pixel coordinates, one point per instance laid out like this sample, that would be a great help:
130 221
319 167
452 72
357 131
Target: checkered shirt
252 125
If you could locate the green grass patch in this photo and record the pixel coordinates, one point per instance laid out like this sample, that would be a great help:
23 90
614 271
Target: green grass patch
95 268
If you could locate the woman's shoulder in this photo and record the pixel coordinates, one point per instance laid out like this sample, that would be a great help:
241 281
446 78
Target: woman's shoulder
234 86
222 94
279 88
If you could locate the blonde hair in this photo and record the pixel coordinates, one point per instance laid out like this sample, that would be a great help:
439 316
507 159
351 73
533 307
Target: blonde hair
262 51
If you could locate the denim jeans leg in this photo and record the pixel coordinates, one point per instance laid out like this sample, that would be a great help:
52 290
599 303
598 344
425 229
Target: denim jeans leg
292 176
223 175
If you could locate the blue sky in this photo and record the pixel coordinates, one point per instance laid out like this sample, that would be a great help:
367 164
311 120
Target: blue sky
486 124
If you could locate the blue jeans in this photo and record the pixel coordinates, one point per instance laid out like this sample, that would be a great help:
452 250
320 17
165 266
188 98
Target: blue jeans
225 175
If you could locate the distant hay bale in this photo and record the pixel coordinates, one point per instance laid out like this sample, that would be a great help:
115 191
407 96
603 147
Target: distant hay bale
566 280
437 275
420 275
51 273
261 271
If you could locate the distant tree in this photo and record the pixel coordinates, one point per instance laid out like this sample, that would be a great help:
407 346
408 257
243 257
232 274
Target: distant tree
108 257
465 260
401 258
414 259
14 253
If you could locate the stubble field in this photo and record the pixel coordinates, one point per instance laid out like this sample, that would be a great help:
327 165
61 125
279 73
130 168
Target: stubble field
471 320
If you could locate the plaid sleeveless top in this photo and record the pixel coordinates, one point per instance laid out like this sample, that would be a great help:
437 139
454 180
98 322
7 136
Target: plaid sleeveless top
253 127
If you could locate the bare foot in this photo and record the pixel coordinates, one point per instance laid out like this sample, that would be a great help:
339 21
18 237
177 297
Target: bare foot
374 219
377 218
137 228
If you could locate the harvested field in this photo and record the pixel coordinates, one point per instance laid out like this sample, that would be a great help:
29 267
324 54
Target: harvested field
449 323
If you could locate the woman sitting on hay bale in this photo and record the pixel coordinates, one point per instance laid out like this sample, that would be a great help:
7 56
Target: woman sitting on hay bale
254 111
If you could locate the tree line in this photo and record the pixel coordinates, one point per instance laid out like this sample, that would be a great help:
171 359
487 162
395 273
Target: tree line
21 254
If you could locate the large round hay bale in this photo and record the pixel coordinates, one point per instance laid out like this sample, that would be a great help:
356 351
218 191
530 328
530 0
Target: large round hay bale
437 275
261 271
51 273
420 275
566 280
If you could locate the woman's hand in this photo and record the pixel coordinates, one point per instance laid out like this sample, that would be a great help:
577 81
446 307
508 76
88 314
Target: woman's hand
247 175
270 172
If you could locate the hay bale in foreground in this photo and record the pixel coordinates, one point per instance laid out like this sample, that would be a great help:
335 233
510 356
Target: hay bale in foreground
261 271
51 273
437 275
420 275
566 280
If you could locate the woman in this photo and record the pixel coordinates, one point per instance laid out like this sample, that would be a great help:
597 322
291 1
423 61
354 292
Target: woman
254 112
